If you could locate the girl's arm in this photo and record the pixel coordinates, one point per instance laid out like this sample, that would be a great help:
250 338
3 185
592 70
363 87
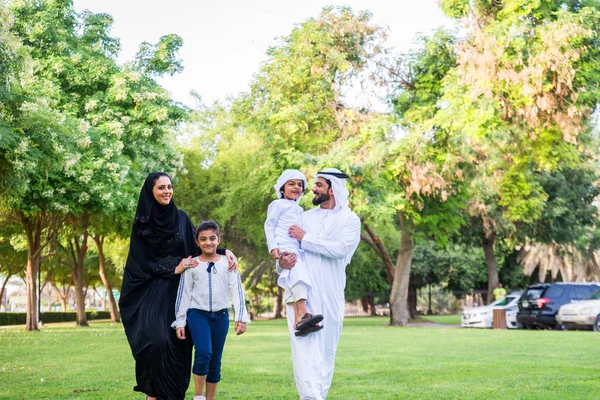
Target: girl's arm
184 297
236 292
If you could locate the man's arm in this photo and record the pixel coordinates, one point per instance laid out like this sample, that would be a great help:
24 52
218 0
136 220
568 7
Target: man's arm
348 240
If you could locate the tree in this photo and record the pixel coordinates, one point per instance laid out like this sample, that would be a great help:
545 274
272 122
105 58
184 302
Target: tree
410 176
522 91
292 117
120 122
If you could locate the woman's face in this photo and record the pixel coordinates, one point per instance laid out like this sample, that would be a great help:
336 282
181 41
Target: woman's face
163 190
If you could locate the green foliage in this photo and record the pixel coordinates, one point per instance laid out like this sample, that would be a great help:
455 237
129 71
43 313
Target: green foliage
292 117
366 276
160 58
457 267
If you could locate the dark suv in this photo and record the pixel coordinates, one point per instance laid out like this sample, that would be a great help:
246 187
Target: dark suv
540 302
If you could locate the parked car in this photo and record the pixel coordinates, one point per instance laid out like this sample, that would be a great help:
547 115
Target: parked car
483 317
540 303
584 314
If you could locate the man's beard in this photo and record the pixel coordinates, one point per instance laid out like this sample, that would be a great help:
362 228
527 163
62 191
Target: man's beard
323 197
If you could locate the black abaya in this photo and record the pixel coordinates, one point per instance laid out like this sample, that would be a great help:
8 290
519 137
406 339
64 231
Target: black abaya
161 237
147 305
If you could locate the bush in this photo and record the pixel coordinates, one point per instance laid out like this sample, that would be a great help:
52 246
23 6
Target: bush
15 318
12 318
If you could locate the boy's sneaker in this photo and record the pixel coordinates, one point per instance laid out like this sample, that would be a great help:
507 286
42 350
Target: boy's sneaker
199 398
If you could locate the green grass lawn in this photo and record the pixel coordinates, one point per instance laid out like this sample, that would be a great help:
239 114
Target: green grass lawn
374 362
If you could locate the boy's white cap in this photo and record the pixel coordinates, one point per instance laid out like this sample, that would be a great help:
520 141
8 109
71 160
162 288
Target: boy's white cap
288 175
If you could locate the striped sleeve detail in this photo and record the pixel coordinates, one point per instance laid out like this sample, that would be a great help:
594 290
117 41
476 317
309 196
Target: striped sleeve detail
179 293
240 317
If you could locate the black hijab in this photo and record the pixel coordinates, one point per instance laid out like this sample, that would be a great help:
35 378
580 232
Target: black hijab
152 219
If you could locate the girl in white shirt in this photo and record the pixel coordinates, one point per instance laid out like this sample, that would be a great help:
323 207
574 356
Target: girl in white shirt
204 295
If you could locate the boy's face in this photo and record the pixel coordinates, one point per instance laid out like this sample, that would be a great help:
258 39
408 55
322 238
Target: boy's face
208 241
293 189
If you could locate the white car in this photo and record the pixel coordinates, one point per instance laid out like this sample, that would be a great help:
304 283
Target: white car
483 317
583 314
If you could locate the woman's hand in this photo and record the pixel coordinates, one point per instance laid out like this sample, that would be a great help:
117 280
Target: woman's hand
232 260
180 332
240 327
287 260
185 264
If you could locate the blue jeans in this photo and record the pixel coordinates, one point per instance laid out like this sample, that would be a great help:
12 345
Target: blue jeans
209 331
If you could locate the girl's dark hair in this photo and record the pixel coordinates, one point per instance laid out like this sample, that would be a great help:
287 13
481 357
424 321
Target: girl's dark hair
208 226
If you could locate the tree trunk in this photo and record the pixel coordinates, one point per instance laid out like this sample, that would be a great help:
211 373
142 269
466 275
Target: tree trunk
364 304
114 309
492 264
371 301
412 300
279 303
4 286
33 229
376 244
399 312
78 253
62 296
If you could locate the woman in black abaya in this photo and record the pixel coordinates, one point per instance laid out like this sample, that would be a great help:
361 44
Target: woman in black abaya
161 248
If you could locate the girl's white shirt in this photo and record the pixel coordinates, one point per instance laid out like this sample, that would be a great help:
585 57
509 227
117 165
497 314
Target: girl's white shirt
210 291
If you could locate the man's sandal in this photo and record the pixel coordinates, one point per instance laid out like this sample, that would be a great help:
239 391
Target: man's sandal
310 329
308 320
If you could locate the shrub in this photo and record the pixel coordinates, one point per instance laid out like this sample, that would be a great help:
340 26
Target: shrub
19 318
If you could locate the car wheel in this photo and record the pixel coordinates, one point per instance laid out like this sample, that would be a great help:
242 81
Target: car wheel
560 327
597 324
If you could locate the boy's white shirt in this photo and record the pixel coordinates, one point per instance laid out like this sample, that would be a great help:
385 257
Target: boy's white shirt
281 214
197 289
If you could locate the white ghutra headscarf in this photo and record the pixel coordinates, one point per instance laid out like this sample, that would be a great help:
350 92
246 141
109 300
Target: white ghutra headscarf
338 185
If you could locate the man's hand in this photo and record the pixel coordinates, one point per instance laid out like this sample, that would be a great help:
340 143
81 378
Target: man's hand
180 332
296 232
287 260
232 260
240 327
276 253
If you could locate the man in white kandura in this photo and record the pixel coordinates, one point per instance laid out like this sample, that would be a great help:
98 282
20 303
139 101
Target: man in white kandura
328 238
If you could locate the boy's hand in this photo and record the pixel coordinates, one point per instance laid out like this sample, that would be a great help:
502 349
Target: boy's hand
180 332
276 253
240 327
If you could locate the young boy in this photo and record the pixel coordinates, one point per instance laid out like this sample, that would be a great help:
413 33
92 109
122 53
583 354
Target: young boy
283 213
203 299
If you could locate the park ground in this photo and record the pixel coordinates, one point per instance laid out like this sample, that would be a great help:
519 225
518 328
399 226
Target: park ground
375 361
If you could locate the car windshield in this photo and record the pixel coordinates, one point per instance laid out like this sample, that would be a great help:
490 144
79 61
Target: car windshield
504 301
595 296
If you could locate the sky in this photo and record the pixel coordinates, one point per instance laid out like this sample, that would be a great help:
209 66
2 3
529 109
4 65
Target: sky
226 41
